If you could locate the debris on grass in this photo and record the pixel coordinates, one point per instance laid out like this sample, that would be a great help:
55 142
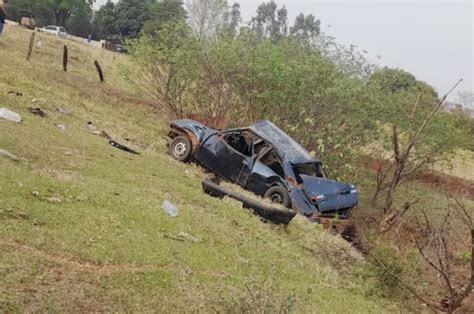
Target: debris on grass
13 213
10 115
14 93
169 208
63 110
37 111
93 129
8 155
105 135
123 147
35 193
54 199
268 213
183 237
91 126
62 127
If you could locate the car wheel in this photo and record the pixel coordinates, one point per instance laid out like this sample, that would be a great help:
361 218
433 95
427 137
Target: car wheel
181 148
278 195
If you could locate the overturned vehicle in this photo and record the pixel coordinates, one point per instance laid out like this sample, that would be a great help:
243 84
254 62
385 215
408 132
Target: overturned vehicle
266 161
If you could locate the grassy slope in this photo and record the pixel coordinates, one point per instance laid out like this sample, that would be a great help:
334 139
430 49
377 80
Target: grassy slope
96 238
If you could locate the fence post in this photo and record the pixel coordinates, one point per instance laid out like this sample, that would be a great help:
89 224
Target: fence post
99 70
30 47
65 58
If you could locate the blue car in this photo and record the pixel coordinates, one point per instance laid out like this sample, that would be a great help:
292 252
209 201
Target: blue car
266 161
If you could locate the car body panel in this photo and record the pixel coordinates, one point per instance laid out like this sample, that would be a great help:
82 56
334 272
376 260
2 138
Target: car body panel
214 152
261 178
330 195
198 129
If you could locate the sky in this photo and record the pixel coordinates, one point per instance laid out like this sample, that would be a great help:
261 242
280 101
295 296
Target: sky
432 39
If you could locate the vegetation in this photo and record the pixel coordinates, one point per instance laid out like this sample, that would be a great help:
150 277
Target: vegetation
333 107
380 128
73 14
332 100
81 223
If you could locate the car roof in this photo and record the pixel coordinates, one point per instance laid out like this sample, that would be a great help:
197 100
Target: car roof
286 147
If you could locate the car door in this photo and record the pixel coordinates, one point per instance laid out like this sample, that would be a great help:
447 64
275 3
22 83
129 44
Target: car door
216 154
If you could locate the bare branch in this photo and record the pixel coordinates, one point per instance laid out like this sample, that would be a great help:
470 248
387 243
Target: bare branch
431 304
413 112
428 119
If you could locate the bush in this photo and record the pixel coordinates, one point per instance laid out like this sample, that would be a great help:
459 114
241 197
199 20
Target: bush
328 101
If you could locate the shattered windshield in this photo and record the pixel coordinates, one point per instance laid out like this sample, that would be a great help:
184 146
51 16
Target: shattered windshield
313 169
286 147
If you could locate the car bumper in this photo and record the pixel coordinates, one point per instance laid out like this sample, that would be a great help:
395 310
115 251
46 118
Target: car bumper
334 204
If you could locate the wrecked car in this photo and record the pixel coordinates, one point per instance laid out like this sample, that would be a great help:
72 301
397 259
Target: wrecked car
266 161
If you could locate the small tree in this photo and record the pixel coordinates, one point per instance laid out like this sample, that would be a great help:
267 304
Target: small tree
206 15
270 21
407 158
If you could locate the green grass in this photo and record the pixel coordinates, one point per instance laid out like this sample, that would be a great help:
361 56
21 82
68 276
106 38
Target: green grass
81 224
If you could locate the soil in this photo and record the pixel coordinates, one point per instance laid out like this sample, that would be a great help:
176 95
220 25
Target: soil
448 184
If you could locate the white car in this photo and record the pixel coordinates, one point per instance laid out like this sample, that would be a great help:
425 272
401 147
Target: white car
52 29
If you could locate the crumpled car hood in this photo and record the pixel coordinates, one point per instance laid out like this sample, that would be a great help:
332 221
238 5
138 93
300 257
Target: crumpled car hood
332 195
318 186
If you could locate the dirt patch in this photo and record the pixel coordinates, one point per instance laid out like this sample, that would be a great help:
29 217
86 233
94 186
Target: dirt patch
448 184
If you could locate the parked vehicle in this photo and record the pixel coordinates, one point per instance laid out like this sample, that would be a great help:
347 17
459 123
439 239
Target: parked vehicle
266 161
115 44
121 48
55 30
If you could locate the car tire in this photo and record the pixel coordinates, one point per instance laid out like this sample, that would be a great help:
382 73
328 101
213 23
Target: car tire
279 195
181 148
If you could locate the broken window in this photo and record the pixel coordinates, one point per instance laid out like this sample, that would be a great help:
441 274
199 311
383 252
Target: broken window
271 160
259 146
313 169
241 142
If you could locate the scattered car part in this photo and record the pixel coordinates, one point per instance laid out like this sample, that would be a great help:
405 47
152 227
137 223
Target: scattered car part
63 110
91 126
10 115
169 208
275 215
266 161
37 111
14 93
8 155
122 147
